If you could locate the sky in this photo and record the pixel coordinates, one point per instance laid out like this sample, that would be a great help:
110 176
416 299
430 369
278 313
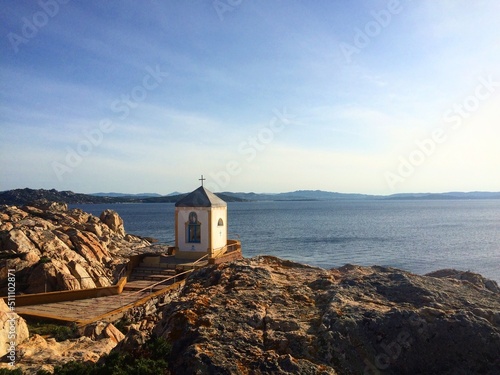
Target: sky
374 97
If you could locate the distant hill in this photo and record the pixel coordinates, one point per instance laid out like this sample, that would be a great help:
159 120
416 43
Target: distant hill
174 193
175 198
299 195
451 195
121 195
24 196
319 195
21 197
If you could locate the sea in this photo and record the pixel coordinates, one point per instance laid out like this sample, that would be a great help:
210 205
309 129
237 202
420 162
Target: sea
419 236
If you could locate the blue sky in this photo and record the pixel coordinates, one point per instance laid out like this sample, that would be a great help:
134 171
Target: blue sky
373 97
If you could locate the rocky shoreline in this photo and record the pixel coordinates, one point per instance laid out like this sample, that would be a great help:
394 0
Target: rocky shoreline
261 315
53 248
267 315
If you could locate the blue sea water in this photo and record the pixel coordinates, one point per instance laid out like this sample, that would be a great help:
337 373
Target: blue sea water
418 236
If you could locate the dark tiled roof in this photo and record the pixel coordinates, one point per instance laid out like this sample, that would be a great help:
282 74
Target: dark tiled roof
201 197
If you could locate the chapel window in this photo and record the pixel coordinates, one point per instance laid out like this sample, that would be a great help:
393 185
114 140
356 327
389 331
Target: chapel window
193 232
220 223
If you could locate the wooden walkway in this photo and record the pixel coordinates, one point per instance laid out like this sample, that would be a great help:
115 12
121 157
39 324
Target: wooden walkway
85 311
148 280
155 275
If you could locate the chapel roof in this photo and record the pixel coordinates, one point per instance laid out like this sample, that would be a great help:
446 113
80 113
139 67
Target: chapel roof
201 197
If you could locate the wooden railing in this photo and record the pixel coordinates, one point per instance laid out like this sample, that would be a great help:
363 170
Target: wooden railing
232 252
166 279
72 295
199 260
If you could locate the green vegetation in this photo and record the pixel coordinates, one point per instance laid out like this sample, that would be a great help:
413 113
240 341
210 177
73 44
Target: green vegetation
4 371
44 259
59 332
151 359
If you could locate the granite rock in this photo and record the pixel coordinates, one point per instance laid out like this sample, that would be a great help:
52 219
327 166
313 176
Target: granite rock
266 315
13 329
54 248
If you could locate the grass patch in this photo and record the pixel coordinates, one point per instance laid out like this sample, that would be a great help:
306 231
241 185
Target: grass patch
151 359
17 371
57 331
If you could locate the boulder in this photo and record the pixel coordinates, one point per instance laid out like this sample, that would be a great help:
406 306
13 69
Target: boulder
32 257
13 329
113 221
47 242
265 315
46 205
80 273
39 353
51 276
17 240
467 276
88 245
134 339
53 248
102 330
5 227
13 213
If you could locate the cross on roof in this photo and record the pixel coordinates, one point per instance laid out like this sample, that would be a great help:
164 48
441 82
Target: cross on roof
202 179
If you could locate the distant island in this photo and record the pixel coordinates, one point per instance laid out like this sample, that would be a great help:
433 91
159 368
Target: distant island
26 195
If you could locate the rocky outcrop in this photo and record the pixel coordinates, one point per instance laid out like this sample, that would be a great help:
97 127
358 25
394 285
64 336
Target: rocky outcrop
113 221
39 353
53 248
467 276
13 330
102 330
266 315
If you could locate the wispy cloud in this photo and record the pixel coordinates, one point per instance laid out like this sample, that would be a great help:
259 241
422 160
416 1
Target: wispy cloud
222 81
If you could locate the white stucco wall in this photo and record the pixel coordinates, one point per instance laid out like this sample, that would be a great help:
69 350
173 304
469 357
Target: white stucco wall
182 218
219 234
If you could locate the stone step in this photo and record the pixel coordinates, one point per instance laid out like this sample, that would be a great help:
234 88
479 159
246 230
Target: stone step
157 270
141 284
151 277
157 265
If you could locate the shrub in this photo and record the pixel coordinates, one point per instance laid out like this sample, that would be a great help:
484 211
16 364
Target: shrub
151 359
74 368
59 332
17 371
44 259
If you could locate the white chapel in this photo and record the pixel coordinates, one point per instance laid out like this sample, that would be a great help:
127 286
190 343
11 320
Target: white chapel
200 225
